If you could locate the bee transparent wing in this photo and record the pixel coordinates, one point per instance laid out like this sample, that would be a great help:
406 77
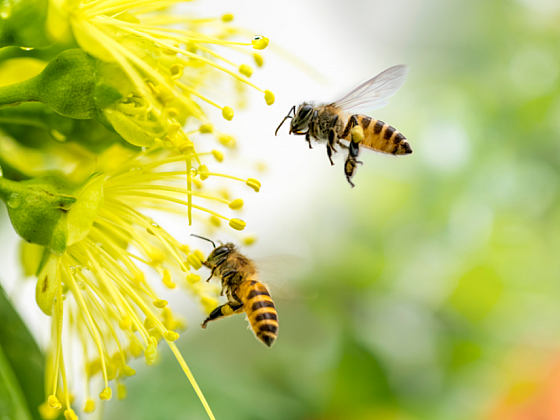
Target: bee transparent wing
375 93
280 274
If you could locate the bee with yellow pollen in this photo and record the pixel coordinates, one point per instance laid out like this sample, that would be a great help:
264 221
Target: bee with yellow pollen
139 72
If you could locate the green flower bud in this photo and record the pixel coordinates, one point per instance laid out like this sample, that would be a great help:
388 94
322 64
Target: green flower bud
38 210
23 23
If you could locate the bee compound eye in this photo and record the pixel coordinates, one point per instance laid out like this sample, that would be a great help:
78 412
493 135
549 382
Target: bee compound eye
304 111
221 250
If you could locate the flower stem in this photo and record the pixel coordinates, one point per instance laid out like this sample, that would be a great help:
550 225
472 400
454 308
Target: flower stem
12 95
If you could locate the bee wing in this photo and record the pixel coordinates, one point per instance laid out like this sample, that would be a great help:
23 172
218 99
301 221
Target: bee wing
374 93
279 273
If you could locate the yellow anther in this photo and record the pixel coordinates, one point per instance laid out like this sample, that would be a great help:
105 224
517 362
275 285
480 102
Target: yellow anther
164 94
160 303
259 42
156 256
249 240
203 172
93 367
227 113
215 221
208 303
176 71
155 334
138 278
197 183
53 402
259 61
228 141
47 412
185 146
149 323
172 112
199 255
237 224
111 371
206 128
167 279
228 17
226 310
70 415
170 335
194 261
236 204
219 156
106 394
269 97
121 391
193 278
185 249
173 129
150 354
128 371
89 407
357 134
135 349
245 70
125 322
254 184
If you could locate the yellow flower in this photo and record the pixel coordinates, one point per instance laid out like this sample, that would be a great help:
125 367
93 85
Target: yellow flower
99 289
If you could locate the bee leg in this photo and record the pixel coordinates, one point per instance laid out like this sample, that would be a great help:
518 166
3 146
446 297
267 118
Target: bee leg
308 139
329 154
222 311
350 167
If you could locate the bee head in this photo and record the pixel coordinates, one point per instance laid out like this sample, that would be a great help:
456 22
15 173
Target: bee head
218 254
301 120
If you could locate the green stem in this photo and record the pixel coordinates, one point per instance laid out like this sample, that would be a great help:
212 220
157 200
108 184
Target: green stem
16 93
8 188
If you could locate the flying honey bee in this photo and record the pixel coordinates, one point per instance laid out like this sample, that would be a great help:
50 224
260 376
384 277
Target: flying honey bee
243 290
334 124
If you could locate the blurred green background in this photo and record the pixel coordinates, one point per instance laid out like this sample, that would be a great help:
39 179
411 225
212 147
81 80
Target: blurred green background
437 278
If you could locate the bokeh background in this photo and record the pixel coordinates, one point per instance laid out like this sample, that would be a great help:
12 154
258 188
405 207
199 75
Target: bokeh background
431 290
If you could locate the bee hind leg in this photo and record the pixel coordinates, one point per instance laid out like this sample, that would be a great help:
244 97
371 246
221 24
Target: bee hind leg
330 153
308 139
222 311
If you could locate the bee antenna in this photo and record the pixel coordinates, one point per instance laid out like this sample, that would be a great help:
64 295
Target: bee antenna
285 118
206 239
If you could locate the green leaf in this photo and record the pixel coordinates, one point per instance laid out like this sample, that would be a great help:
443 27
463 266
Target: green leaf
22 367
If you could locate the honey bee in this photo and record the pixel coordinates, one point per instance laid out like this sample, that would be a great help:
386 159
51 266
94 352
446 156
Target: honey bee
243 290
334 125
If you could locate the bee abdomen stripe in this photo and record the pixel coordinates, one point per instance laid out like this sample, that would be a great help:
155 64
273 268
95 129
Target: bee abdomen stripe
266 316
398 138
365 121
389 132
257 292
378 127
262 304
268 327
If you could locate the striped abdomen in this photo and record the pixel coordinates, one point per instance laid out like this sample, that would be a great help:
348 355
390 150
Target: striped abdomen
260 310
380 137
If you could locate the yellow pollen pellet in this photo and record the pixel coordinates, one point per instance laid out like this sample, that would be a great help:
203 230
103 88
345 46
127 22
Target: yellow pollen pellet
170 335
167 279
254 184
125 322
203 172
215 221
245 70
128 371
259 61
269 97
193 278
226 310
53 402
206 128
106 394
89 407
208 303
236 204
237 224
121 391
160 303
176 71
357 134
70 415
228 17
219 156
227 113
194 261
259 42
249 240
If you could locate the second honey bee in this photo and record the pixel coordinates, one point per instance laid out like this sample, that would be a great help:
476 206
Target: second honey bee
245 293
335 125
